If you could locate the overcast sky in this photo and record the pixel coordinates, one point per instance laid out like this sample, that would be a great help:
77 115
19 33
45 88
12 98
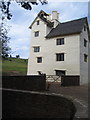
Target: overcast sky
21 20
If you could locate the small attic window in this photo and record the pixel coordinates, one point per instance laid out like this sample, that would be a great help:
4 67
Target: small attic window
42 15
38 22
84 27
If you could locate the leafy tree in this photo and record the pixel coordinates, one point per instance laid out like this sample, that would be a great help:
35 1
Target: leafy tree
10 56
7 15
6 55
17 56
4 39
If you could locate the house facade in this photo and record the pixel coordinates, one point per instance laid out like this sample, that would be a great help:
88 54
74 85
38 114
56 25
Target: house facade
59 48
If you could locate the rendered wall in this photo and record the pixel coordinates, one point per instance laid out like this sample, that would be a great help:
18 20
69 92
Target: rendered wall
83 64
48 53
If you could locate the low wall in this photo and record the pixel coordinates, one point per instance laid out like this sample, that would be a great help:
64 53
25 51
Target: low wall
36 83
70 80
18 105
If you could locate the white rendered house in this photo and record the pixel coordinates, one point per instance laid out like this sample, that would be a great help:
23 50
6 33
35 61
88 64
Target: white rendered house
59 48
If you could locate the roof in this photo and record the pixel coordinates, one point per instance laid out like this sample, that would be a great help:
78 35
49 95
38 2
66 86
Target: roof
41 15
66 28
50 24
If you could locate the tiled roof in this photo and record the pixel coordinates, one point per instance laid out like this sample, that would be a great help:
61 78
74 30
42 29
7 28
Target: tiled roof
71 27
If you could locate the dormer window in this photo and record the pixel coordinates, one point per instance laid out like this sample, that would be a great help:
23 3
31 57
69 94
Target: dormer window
38 22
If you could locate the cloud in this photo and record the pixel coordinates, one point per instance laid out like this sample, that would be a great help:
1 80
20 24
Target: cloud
69 1
20 46
74 11
19 30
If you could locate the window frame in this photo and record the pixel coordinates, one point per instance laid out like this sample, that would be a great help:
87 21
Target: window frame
38 22
85 58
60 72
36 33
85 43
59 41
36 48
59 57
39 59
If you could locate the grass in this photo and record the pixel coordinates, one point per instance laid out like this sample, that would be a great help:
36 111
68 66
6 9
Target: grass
14 66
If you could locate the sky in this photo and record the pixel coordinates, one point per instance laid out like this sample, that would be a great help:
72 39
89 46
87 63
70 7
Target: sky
21 20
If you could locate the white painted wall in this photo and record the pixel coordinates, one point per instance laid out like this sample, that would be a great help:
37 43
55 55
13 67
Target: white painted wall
83 65
36 41
49 50
73 48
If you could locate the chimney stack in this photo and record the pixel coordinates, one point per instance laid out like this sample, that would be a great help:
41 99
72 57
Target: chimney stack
55 15
49 17
55 18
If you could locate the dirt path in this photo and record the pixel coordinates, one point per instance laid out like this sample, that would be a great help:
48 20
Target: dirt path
79 95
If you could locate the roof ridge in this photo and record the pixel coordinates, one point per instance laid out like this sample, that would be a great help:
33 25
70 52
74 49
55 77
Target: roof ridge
74 20
70 27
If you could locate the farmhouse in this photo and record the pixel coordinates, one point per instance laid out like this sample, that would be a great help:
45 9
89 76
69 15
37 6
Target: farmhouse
59 48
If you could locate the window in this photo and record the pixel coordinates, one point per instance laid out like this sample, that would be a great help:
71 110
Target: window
85 58
60 57
60 41
84 27
36 49
38 22
60 72
39 59
36 33
85 43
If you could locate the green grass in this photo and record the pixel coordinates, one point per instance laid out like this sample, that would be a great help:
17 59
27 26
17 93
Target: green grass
14 66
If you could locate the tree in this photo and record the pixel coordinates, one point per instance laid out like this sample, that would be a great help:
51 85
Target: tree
10 56
17 56
4 39
5 5
7 15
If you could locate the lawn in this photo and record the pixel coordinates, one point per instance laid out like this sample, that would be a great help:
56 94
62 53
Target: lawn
14 66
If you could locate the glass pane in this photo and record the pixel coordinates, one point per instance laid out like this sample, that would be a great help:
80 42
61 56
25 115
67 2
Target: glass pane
36 33
36 49
62 57
62 41
39 60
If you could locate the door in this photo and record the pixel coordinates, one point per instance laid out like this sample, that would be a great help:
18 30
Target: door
60 72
